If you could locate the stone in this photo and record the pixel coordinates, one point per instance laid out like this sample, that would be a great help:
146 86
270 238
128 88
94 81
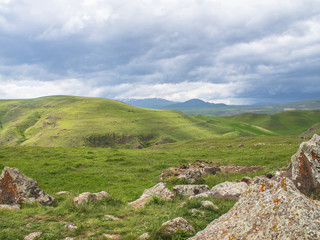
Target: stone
190 190
146 235
202 195
112 236
269 175
191 172
10 207
229 146
269 209
240 145
194 210
305 165
229 190
70 226
158 190
172 226
62 193
32 236
209 204
69 238
86 196
182 204
16 188
112 217
246 180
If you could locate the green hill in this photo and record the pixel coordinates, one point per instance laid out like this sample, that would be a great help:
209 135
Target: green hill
66 121
78 121
283 123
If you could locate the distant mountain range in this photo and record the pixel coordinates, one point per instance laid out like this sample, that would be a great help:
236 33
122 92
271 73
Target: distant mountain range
199 107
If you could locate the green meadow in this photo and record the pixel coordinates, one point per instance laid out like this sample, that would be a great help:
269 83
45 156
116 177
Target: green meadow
89 145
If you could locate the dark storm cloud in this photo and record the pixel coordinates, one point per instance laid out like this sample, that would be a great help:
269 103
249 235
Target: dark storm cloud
227 51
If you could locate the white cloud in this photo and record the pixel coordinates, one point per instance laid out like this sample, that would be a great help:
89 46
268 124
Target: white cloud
176 49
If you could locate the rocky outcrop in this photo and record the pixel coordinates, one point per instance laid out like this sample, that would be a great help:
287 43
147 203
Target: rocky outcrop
173 226
229 190
270 209
86 196
190 172
158 190
306 165
16 188
190 190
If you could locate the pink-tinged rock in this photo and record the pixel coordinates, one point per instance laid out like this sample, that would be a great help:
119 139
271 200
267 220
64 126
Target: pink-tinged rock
173 226
306 165
16 188
85 197
158 190
269 209
229 190
32 236
112 236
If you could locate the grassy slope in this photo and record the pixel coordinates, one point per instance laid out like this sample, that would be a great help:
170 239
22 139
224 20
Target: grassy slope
67 121
125 174
283 123
77 121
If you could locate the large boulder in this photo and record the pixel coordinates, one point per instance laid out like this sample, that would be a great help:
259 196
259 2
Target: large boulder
229 190
190 190
175 225
270 209
16 188
158 190
306 165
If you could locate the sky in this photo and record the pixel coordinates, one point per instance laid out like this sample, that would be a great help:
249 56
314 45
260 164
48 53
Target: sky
228 51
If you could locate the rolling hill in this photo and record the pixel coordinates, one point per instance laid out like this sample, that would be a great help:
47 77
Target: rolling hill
79 121
67 121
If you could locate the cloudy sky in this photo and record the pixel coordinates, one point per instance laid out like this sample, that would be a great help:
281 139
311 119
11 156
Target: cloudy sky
230 51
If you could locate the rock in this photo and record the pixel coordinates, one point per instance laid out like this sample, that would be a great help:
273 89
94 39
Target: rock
112 217
190 190
158 190
229 146
70 226
112 236
182 204
240 145
62 193
69 238
194 210
270 209
246 180
229 190
306 165
16 188
209 204
191 175
190 172
202 195
172 226
146 235
84 197
269 175
10 207
32 236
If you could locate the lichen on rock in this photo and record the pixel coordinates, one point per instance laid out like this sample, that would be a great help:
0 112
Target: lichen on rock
269 209
16 188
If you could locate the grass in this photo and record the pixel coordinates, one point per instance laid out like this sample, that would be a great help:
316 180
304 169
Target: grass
124 174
